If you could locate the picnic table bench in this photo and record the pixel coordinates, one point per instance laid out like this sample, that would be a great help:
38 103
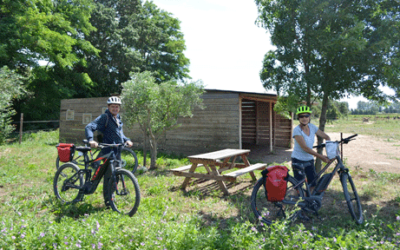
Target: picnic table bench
217 162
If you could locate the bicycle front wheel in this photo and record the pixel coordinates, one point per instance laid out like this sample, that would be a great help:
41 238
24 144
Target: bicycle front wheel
124 193
268 212
67 183
129 159
352 198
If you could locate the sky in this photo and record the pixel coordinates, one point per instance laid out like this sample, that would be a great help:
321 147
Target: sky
223 43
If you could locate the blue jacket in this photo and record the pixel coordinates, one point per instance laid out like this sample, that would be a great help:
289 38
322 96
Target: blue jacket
112 133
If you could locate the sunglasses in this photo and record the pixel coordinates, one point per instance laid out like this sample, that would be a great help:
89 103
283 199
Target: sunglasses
304 116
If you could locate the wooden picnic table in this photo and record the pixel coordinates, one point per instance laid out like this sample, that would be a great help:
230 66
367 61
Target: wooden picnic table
217 162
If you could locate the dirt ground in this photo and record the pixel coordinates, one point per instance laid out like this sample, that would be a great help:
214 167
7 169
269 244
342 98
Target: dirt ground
365 152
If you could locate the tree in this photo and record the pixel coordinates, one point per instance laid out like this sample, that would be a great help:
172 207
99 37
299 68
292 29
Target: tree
134 38
11 87
52 31
328 49
157 107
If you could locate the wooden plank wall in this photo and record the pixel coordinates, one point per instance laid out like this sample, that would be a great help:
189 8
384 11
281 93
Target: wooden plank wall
213 128
249 122
74 130
256 124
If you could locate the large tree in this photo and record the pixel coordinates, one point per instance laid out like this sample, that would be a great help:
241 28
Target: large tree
328 49
134 37
51 31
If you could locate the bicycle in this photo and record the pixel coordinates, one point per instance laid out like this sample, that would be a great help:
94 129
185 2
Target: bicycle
128 157
300 200
120 189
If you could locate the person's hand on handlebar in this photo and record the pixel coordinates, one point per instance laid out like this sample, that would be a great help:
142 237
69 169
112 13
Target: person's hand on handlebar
128 144
93 144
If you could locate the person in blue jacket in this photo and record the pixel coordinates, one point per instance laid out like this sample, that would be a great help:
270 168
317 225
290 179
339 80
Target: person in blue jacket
110 125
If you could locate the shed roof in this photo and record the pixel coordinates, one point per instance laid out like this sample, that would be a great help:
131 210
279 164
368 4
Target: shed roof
241 92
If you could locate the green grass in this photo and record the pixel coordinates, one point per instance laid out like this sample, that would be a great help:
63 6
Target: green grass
169 218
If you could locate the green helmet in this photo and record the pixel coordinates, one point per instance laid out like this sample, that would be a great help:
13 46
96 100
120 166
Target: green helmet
303 109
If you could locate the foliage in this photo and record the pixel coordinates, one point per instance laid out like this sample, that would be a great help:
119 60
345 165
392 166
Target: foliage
11 87
328 49
171 219
47 31
324 48
134 38
44 30
157 107
373 108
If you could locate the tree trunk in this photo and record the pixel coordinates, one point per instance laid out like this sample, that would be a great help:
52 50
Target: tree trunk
144 148
322 122
153 151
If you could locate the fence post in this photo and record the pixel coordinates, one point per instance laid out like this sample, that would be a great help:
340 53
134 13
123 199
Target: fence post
21 124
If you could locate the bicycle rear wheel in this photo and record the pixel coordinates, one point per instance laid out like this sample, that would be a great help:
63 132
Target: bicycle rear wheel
352 198
268 212
67 182
124 193
58 162
129 159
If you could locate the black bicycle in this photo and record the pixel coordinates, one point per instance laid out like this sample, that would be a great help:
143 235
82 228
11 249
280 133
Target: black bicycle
120 190
128 157
299 199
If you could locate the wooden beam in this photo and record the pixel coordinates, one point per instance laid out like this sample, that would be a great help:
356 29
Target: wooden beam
270 127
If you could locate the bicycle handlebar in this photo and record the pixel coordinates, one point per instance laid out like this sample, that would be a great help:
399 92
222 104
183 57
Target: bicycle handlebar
344 140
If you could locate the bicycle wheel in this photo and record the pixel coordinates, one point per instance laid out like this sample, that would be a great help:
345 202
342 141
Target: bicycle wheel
268 212
352 198
124 194
58 162
67 182
129 159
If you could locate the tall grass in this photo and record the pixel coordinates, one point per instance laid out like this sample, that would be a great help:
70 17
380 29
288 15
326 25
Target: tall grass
169 218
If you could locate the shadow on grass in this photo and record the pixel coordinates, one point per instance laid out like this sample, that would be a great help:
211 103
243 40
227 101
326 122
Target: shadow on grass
75 211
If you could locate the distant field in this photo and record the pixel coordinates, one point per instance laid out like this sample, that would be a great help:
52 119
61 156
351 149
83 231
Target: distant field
383 126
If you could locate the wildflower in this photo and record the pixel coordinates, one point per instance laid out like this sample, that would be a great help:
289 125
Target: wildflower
159 238
19 213
55 245
66 243
398 218
93 246
23 226
41 235
397 234
44 244
93 232
78 245
97 226
13 237
22 236
99 245
314 228
334 239
142 244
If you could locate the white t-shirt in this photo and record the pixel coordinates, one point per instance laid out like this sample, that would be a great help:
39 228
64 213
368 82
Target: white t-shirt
298 152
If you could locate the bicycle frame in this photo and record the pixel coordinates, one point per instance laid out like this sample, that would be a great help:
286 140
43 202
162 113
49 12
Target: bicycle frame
91 182
338 168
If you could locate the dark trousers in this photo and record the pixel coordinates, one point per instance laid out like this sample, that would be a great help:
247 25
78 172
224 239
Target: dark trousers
309 169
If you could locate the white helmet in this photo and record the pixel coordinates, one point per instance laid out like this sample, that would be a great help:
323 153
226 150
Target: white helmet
114 100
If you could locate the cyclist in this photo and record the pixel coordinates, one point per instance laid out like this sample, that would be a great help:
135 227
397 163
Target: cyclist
304 135
110 125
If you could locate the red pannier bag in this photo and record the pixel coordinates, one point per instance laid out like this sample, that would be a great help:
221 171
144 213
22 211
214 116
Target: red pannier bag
275 182
65 151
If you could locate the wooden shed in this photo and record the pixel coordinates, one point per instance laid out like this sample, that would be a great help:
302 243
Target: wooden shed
231 119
